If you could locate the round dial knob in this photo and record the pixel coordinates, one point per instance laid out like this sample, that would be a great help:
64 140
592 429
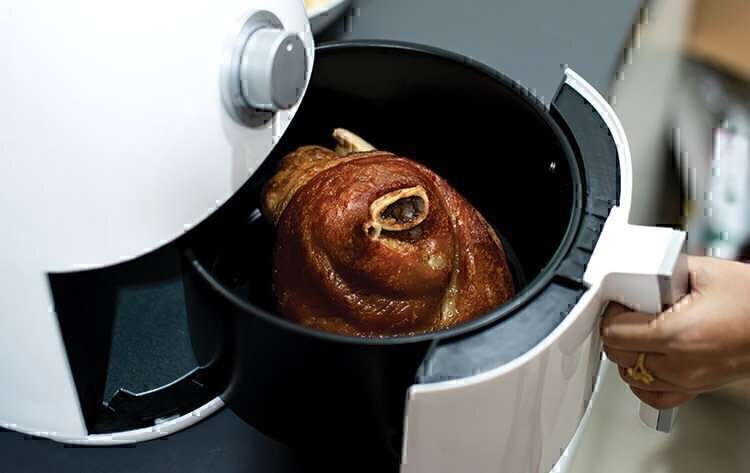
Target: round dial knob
273 67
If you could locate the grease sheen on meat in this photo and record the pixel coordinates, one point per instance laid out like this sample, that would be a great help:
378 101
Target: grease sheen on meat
374 245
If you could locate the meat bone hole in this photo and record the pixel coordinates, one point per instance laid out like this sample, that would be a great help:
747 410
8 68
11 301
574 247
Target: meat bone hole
372 244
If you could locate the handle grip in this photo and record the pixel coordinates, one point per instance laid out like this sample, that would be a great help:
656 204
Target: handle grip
644 268
673 285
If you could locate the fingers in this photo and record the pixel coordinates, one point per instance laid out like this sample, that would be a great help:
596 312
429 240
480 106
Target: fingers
627 334
657 385
654 362
690 347
631 331
662 400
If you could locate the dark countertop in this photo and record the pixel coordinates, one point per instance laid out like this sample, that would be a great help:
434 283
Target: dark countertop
529 41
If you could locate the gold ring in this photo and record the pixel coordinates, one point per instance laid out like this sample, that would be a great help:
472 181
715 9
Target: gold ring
639 371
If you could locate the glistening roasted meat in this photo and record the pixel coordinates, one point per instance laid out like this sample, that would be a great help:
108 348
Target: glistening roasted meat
373 244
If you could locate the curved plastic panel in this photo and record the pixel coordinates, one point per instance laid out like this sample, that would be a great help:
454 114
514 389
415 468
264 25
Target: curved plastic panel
614 127
522 413
115 137
115 141
139 435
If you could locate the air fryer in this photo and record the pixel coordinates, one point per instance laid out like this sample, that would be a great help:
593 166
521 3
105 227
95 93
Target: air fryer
520 164
146 200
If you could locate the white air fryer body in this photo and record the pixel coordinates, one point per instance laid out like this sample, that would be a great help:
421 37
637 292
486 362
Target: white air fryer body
522 416
114 140
117 135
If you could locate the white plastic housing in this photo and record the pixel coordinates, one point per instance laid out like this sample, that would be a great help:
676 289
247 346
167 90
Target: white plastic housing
521 416
113 142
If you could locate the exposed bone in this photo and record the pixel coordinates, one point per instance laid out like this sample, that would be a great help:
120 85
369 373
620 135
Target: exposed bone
397 211
373 229
348 142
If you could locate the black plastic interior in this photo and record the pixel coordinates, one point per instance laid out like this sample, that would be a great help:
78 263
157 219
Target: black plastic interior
125 333
494 144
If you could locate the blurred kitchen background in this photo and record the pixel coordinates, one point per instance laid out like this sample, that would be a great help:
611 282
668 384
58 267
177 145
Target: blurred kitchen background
683 95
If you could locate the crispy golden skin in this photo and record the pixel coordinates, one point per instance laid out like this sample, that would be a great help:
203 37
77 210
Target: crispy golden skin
372 244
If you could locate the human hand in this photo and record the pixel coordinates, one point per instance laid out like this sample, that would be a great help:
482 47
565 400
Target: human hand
699 344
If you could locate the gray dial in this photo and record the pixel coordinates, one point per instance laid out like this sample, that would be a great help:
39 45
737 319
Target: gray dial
273 69
266 71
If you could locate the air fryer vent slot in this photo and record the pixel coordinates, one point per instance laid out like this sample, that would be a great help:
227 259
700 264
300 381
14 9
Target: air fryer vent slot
125 333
